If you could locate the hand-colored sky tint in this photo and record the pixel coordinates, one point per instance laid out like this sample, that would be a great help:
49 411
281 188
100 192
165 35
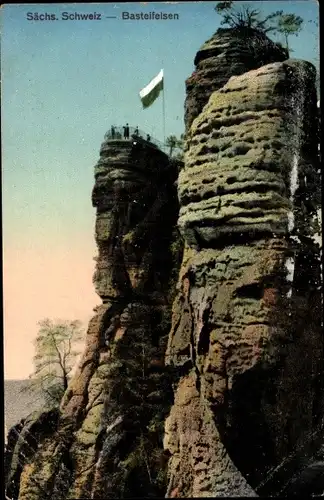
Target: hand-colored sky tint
64 84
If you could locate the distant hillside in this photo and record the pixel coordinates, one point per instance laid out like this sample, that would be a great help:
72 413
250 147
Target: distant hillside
19 404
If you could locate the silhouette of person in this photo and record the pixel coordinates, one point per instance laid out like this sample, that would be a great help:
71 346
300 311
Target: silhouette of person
112 132
148 137
127 131
136 131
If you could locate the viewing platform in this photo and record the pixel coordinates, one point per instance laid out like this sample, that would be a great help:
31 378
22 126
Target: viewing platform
143 137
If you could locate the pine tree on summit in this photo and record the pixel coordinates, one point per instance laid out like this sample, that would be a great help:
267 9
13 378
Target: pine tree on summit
289 24
245 17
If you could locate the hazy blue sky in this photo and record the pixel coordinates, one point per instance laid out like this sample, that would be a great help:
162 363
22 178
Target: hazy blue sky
63 84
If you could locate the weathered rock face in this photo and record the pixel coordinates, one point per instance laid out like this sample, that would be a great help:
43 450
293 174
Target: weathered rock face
22 443
225 54
235 382
129 220
108 438
246 332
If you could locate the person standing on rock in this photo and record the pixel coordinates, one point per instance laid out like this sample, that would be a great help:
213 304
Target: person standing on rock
126 131
112 131
136 131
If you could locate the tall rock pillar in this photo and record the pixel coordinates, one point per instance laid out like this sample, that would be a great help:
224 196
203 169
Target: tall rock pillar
106 438
246 334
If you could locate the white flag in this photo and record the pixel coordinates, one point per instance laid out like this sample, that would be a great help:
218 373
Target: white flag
149 93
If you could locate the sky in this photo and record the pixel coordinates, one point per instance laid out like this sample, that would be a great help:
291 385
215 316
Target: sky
64 82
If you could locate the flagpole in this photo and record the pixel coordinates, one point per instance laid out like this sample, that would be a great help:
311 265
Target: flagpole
163 106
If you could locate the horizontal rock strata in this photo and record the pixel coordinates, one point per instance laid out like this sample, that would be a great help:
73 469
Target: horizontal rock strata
246 333
225 54
242 149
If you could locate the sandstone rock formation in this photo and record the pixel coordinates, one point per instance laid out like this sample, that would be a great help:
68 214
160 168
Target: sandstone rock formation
223 399
227 53
246 327
108 437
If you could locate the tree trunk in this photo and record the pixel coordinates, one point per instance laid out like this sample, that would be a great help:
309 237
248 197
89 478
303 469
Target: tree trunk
286 38
65 381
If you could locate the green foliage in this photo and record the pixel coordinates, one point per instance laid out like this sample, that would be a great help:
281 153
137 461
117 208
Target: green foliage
143 469
244 17
175 144
54 358
139 386
129 237
289 24
181 142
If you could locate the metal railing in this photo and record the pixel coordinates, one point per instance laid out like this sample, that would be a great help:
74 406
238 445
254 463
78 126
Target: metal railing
118 133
